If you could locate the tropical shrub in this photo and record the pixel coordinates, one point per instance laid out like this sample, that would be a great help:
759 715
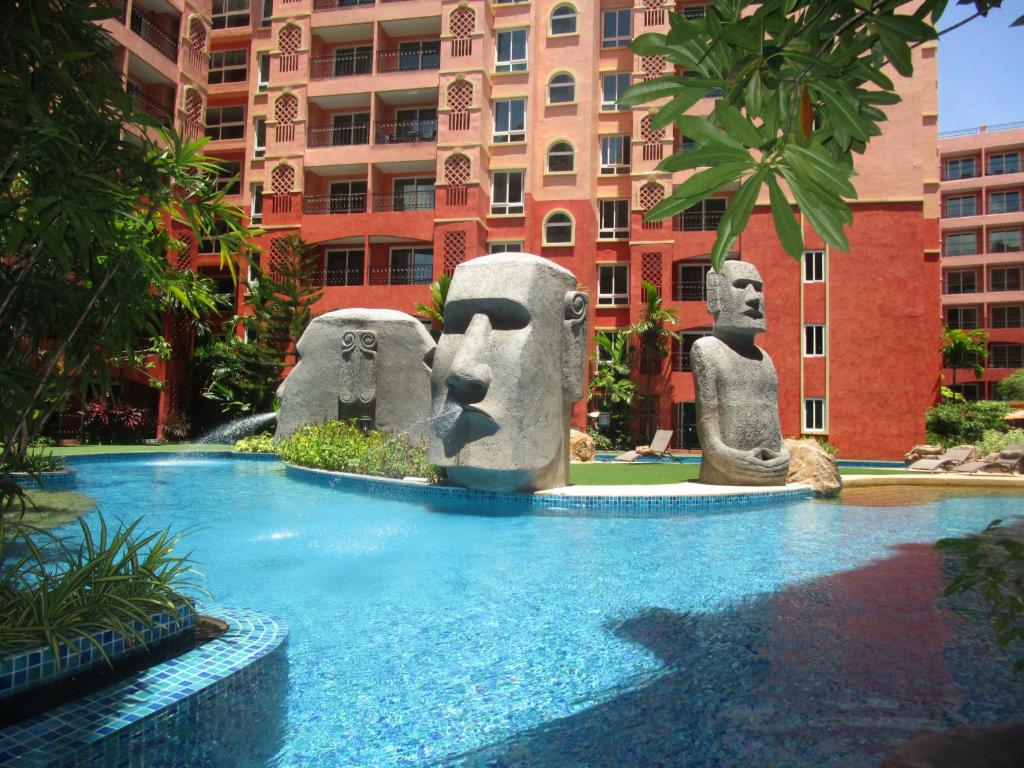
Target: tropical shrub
177 426
994 441
603 441
958 423
341 446
110 421
1012 387
111 580
262 443
42 442
33 463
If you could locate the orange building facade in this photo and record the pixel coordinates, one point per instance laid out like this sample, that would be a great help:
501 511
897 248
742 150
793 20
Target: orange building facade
982 254
402 137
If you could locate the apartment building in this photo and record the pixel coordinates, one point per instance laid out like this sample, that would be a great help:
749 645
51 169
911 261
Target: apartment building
402 137
982 256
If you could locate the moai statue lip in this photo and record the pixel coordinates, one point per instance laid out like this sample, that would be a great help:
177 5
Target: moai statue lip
353 362
737 386
507 368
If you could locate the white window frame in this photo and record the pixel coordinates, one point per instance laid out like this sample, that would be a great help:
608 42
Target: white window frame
569 86
1004 195
624 156
1000 354
1003 249
620 39
512 63
507 134
572 15
231 13
505 246
615 79
1005 321
220 125
619 295
819 415
958 164
259 149
960 274
570 152
956 237
814 266
223 68
960 200
814 340
959 313
615 209
508 207
1002 156
256 208
570 224
263 72
1006 273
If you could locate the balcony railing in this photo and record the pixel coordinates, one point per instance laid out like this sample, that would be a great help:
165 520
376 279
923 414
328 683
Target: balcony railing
412 200
696 221
956 175
348 276
153 108
950 290
961 250
315 205
330 5
338 135
420 274
689 290
151 32
958 211
682 362
1004 247
405 131
340 65
409 60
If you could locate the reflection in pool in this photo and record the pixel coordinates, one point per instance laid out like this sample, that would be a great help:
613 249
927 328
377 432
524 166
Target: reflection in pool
809 634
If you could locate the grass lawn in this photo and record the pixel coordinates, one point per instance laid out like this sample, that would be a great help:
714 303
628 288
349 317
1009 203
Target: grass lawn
607 473
87 450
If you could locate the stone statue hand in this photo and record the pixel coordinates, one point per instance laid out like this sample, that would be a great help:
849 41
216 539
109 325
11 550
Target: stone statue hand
760 461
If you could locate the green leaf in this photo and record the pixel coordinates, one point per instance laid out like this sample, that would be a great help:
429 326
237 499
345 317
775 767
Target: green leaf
740 36
826 173
786 226
906 27
696 188
736 216
897 51
698 158
707 132
675 108
659 88
822 216
738 126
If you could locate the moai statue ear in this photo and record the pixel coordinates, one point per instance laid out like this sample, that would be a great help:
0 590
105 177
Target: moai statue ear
574 343
712 291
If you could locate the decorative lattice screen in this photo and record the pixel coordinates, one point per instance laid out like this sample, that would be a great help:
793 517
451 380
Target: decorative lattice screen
652 66
651 194
193 113
282 180
454 250
183 260
650 269
289 40
461 24
286 109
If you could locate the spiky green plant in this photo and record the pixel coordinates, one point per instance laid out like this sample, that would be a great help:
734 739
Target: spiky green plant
110 580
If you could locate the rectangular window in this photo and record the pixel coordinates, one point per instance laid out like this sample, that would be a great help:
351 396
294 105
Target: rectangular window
961 168
415 194
1007 317
228 178
509 121
814 266
511 51
1006 355
259 145
814 340
612 87
962 317
417 124
354 60
960 243
702 217
617 28
268 13
256 212
411 266
615 154
814 414
419 54
347 197
225 123
1004 202
263 60
695 12
1004 241
960 206
350 129
682 361
965 281
612 284
603 356
230 13
506 247
228 67
690 282
1005 279
507 192
1005 163
614 219
343 267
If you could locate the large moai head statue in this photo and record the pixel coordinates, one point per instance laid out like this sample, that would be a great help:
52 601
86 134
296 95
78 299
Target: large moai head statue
736 298
360 364
507 369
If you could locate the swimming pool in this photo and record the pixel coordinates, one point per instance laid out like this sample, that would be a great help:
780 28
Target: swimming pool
807 634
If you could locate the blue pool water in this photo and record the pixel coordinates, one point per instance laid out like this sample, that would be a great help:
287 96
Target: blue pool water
810 634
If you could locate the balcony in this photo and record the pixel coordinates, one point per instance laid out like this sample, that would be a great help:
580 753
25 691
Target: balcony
340 65
959 211
338 135
330 5
420 274
427 56
142 25
405 131
696 221
336 277
153 108
411 200
318 205
689 290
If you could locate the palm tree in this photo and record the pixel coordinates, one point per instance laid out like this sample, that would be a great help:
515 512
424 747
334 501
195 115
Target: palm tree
965 349
611 387
654 335
438 297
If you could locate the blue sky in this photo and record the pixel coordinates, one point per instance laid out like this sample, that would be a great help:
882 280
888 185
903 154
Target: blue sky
980 68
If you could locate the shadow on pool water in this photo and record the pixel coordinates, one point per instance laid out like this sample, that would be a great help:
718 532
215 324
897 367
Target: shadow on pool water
836 671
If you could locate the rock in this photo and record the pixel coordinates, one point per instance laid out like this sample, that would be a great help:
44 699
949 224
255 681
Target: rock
923 452
581 446
993 746
992 456
812 465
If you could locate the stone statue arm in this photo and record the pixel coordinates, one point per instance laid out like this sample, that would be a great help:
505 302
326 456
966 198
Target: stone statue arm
754 463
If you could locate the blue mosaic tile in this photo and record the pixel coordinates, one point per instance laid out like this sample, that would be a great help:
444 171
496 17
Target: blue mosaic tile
47 480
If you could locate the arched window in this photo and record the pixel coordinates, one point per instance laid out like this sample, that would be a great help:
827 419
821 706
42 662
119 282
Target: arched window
561 157
558 228
561 89
563 20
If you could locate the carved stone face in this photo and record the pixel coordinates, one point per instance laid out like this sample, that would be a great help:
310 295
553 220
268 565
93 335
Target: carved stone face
506 369
736 298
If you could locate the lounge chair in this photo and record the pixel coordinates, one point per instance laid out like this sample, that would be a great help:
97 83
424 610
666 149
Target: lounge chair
659 447
950 458
1010 460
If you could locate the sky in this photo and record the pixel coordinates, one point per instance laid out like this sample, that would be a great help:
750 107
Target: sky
981 68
